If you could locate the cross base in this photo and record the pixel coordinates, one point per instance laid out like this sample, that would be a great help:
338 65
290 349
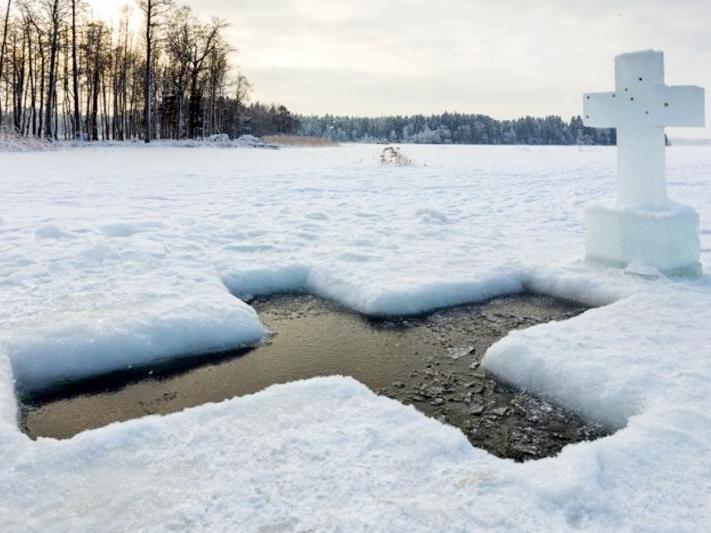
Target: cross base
666 239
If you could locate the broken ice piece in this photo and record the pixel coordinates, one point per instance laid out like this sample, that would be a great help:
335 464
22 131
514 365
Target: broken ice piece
459 352
476 409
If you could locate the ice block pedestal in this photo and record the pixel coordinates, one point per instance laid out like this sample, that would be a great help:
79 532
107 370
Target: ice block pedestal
665 238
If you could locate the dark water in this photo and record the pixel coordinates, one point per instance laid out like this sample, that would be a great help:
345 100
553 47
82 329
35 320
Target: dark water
430 362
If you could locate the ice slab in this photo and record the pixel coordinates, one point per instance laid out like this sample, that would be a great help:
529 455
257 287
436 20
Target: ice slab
88 344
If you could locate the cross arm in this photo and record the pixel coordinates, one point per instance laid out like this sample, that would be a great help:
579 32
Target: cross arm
601 110
679 106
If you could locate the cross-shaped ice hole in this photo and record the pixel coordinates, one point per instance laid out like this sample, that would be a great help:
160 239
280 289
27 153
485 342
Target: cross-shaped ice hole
429 361
640 120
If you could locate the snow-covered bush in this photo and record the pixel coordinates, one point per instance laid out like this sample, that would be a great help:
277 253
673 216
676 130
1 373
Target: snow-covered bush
221 138
12 142
253 142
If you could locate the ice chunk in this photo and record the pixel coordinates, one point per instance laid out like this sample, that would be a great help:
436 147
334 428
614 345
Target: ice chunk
459 351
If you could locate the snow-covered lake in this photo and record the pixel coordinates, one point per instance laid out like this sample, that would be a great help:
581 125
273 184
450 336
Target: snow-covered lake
118 256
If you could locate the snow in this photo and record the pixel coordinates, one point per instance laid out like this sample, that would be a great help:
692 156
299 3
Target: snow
52 231
156 247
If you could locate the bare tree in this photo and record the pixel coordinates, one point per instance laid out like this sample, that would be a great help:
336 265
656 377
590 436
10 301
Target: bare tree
2 46
75 73
242 91
153 10
64 73
196 51
206 42
97 32
54 24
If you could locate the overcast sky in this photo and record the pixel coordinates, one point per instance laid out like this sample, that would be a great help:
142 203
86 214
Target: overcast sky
505 58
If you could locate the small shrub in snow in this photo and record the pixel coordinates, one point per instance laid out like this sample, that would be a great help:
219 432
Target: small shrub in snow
393 156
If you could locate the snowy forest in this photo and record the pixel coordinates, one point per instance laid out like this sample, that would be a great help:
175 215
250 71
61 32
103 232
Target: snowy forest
455 128
67 75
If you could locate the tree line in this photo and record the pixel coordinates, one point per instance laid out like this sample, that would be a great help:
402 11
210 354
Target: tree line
67 75
454 128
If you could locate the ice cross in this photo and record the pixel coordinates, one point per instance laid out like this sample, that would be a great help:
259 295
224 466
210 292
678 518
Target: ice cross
640 108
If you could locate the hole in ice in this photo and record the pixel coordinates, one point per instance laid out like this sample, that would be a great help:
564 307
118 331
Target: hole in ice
666 104
632 98
640 79
430 362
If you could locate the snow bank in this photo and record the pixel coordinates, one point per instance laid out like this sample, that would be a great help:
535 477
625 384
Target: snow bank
8 405
374 298
409 297
86 344
264 282
301 456
595 286
577 362
327 453
11 142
